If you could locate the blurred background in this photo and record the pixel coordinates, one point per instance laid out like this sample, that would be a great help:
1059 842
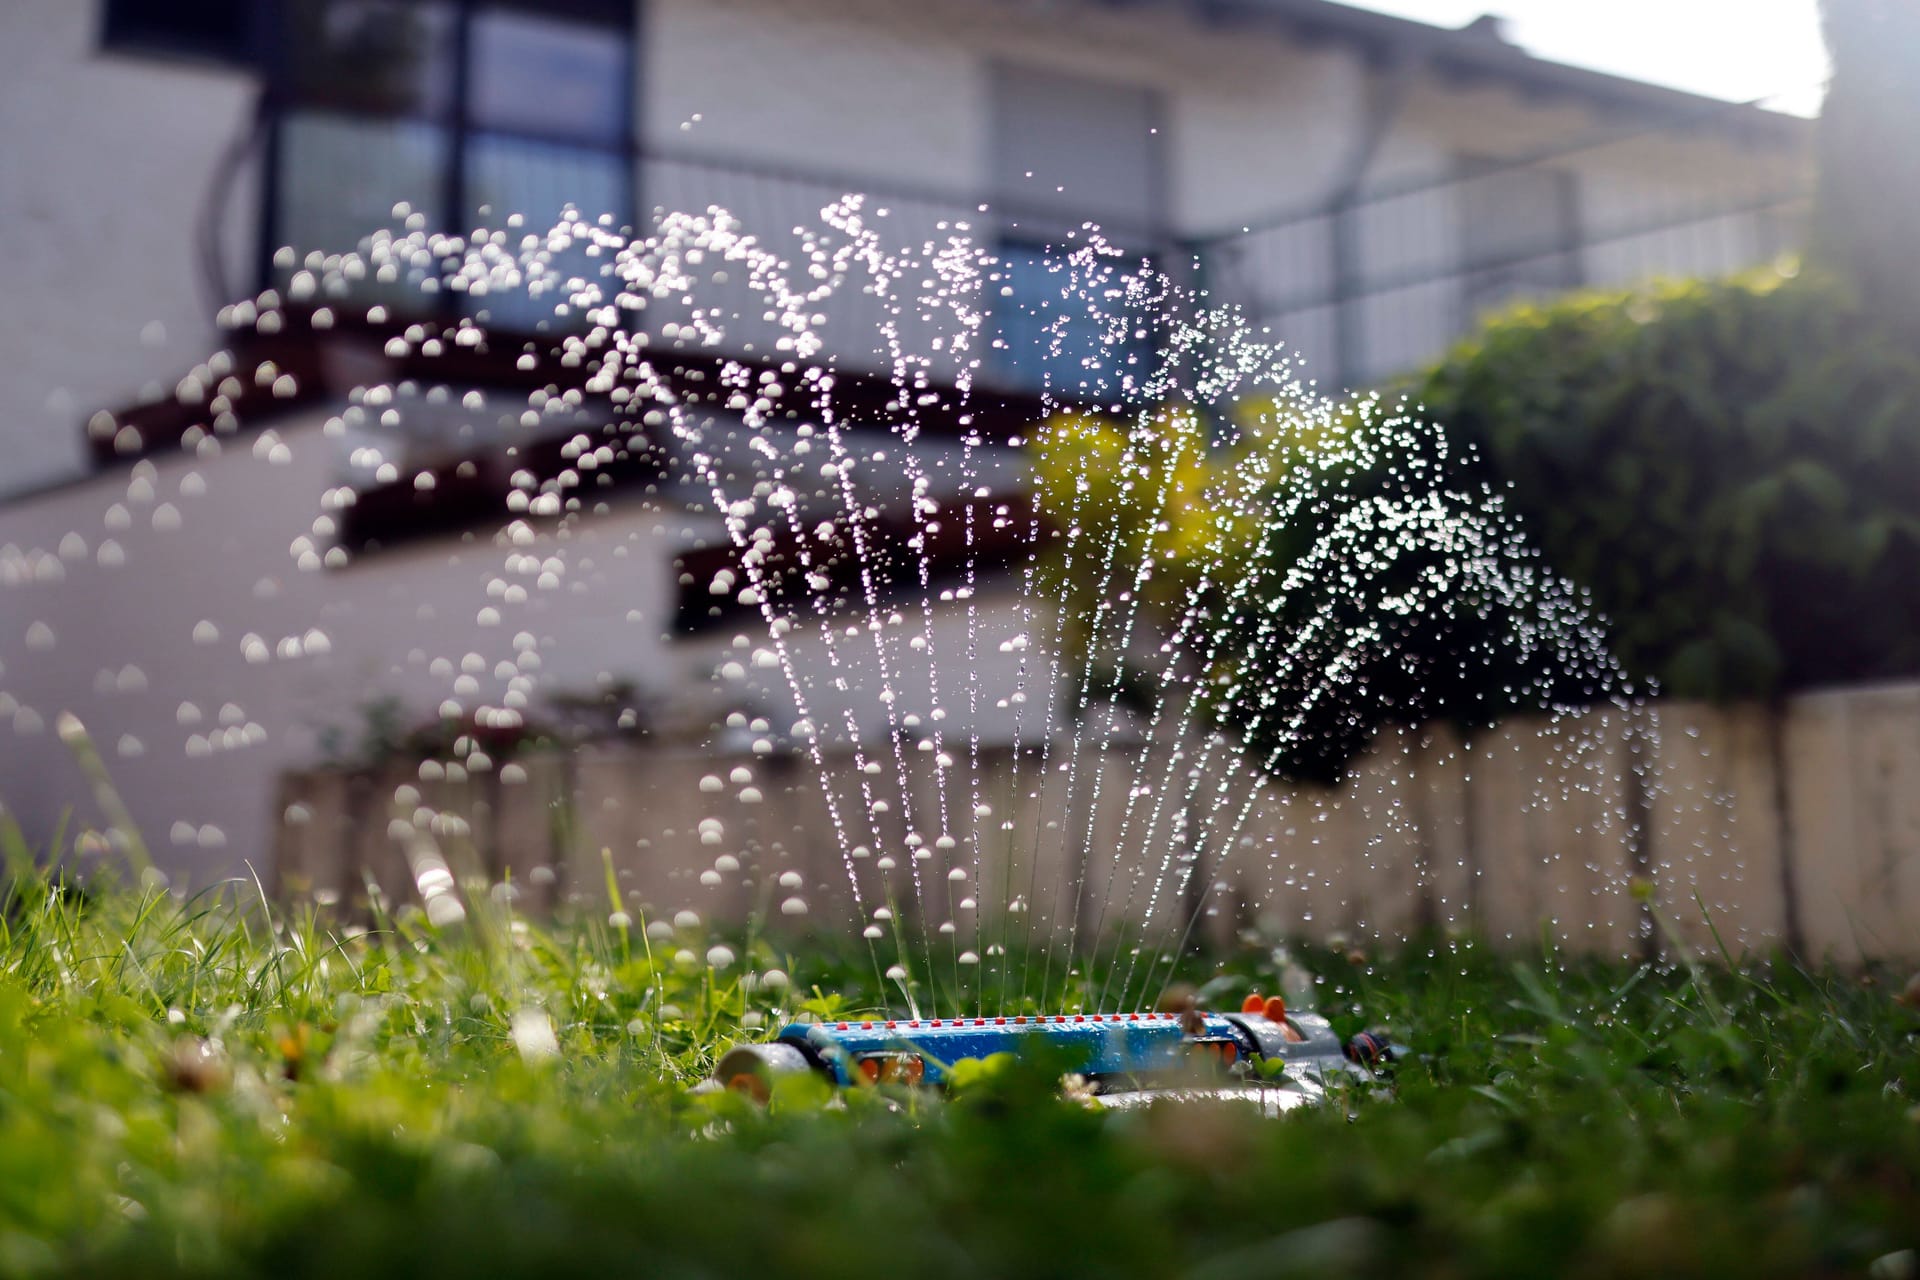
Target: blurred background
1366 183
257 588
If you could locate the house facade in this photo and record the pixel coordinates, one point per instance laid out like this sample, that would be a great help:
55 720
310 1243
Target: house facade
200 376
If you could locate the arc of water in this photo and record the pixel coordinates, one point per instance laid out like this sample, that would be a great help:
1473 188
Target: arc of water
1298 643
1134 296
673 236
956 275
1470 550
1252 364
1223 354
1088 271
1219 377
1253 490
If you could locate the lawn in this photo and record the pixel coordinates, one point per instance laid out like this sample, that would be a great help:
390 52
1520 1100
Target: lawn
194 1088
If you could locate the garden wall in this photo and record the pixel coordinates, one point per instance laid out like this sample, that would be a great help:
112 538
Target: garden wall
1801 829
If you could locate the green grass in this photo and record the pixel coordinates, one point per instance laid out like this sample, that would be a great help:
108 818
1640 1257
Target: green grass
192 1089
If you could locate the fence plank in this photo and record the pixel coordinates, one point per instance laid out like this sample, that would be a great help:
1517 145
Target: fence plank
1443 788
1885 774
1827 869
528 795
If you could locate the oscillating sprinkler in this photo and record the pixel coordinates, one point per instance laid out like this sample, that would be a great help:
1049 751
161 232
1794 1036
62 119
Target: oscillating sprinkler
1263 1054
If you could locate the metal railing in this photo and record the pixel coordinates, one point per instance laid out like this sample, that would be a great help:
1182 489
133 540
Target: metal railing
1374 285
1365 287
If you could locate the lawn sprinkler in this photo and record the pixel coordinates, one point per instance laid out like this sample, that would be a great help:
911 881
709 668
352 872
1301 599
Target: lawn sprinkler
1263 1054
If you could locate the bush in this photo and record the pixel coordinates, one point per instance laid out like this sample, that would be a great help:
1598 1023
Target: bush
1321 572
1732 470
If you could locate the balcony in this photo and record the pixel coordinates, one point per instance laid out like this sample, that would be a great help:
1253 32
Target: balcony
1365 291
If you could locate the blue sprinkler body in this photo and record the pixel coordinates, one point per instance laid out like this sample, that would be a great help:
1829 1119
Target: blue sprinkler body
1117 1053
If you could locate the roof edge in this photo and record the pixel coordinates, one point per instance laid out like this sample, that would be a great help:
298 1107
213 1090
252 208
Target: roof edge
1468 52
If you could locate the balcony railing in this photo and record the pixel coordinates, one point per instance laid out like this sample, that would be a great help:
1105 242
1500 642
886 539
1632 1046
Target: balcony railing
1370 288
1366 287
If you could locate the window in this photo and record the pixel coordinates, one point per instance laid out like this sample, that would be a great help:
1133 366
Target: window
209 30
543 74
1519 231
466 111
1068 151
1066 323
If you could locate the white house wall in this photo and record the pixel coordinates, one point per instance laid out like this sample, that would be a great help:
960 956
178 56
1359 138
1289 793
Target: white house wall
109 162
898 93
384 619
854 90
1666 197
1407 237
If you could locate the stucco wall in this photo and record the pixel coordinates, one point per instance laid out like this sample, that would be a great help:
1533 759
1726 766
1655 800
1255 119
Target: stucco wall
108 166
385 619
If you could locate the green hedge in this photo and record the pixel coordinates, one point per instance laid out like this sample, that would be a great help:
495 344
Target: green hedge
1731 468
1322 571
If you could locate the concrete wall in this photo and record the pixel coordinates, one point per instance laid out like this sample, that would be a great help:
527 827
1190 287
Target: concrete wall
109 169
1614 833
167 607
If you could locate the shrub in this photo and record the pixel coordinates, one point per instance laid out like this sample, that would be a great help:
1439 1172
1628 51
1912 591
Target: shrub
1731 468
1321 572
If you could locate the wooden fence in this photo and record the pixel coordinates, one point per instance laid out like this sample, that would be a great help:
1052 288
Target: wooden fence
1745 827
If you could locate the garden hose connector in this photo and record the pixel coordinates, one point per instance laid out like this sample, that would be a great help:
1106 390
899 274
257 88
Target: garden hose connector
1370 1049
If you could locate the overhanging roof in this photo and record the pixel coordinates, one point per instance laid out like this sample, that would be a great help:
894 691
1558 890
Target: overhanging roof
1473 52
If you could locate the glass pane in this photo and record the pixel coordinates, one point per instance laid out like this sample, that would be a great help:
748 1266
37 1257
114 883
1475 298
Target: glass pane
538 180
372 55
549 75
339 181
1068 331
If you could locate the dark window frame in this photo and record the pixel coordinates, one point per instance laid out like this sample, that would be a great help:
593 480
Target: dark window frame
128 27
